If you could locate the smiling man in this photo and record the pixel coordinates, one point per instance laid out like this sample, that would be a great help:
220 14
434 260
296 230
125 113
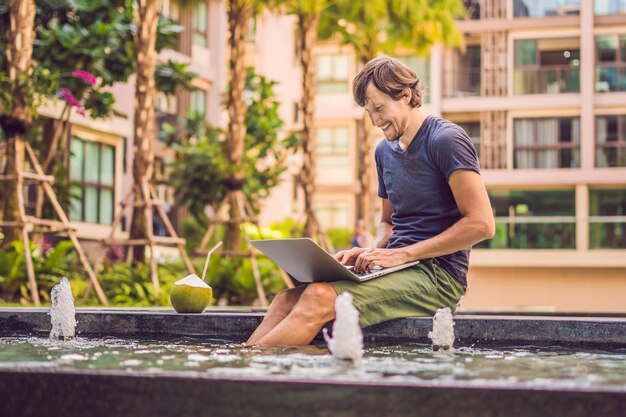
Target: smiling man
434 208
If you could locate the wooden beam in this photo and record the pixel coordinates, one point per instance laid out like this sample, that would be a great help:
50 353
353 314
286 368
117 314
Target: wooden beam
64 219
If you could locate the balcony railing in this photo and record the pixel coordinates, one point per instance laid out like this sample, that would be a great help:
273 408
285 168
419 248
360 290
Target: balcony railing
545 8
610 78
546 80
462 83
602 8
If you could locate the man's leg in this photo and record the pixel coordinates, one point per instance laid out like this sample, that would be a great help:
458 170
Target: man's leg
279 309
314 308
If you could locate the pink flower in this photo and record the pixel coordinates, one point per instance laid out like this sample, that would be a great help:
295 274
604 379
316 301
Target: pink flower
87 77
66 95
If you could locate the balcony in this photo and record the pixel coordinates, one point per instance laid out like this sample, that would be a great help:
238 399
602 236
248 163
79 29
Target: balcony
461 83
609 7
546 80
610 78
545 8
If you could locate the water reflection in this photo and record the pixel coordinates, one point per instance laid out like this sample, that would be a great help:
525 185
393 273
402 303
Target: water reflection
552 367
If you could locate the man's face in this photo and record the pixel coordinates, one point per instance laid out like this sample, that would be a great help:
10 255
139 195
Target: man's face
392 116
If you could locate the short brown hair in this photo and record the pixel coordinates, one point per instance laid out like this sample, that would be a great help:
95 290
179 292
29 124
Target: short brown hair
391 77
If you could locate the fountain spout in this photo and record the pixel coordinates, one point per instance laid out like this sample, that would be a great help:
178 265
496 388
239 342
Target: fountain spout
443 329
347 340
62 313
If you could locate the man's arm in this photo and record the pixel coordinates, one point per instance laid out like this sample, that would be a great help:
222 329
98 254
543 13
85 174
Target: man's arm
476 224
384 227
348 256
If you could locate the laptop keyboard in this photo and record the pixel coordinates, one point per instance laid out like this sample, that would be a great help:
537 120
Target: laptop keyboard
361 274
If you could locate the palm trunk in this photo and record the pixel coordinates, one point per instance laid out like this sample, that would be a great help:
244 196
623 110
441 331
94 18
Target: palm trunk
145 93
365 166
15 125
308 25
239 14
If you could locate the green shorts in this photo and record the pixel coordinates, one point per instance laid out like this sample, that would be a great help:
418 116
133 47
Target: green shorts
417 291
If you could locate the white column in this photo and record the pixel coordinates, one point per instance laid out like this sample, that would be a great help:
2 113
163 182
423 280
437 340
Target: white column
582 217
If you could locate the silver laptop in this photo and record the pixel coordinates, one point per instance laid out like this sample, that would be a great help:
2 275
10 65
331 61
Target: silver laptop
305 261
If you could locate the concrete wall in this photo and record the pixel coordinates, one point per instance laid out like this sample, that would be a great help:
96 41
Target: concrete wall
547 289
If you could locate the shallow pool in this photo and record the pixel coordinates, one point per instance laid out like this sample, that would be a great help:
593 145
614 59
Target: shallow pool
527 367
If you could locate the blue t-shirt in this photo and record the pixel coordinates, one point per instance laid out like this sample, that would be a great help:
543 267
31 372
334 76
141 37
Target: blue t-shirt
416 183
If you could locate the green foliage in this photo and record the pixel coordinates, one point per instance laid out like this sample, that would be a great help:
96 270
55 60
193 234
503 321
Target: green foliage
385 26
202 165
171 75
231 278
233 283
128 286
89 35
341 237
58 262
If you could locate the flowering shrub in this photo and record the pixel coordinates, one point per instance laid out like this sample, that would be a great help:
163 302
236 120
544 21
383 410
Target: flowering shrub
87 77
66 95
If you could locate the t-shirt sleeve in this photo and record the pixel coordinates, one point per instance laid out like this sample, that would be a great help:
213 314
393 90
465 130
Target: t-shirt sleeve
452 150
382 191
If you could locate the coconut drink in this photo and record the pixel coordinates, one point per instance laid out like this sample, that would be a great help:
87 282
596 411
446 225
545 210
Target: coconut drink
190 295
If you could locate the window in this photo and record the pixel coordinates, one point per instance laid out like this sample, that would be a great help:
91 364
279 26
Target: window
547 66
473 9
611 141
200 25
332 73
198 101
610 63
92 175
604 7
464 79
421 66
544 8
607 221
251 35
332 214
332 146
473 131
533 220
546 143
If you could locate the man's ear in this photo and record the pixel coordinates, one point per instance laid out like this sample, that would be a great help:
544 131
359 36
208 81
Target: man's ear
406 95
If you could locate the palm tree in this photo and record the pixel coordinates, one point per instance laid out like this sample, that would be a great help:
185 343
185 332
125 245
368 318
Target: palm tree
308 14
239 13
144 124
16 122
387 26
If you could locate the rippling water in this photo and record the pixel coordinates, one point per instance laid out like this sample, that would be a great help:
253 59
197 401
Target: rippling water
413 364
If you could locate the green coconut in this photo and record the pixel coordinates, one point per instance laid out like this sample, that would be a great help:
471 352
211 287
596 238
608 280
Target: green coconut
190 295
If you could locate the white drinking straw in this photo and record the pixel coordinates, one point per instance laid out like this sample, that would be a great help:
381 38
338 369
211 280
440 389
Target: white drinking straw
206 263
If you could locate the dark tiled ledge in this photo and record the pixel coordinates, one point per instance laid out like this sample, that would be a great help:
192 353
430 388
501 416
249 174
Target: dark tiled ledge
237 324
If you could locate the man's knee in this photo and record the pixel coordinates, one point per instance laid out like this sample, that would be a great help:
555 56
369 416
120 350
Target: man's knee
318 302
286 299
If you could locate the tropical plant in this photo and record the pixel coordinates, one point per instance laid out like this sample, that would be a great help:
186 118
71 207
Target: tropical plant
239 13
202 170
15 119
308 14
90 36
389 27
144 123
57 262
